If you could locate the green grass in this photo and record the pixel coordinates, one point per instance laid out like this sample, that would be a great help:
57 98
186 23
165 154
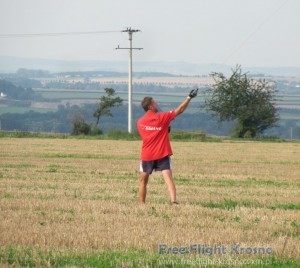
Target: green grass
112 135
287 206
17 166
86 156
235 183
175 135
24 134
229 204
276 162
35 257
187 135
53 168
122 135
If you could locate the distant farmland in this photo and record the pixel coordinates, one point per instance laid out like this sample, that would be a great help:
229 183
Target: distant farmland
169 81
285 99
288 101
84 95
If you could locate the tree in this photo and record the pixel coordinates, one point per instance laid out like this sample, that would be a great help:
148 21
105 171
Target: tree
249 102
80 127
106 103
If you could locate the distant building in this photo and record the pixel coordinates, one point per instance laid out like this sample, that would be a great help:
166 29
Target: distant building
2 95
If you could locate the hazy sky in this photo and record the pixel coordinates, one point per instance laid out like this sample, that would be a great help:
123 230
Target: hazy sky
260 33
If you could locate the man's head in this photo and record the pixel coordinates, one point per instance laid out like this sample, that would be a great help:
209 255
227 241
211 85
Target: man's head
149 104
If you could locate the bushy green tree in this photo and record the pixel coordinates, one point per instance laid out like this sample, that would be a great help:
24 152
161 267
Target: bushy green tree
80 127
248 102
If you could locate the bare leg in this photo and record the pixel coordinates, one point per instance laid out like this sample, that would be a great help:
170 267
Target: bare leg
143 186
167 174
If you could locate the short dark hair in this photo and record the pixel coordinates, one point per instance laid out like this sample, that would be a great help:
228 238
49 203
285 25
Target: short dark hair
146 102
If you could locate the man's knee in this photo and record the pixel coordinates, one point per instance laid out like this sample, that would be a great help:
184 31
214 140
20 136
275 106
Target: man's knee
167 173
144 178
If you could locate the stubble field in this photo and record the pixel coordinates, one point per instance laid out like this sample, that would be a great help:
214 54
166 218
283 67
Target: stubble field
71 202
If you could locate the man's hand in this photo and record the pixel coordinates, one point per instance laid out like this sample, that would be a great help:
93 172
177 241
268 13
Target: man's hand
193 93
180 109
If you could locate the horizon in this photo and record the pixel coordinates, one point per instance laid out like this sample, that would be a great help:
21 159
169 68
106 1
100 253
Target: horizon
12 64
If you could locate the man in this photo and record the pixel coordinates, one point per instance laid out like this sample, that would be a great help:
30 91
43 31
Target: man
156 149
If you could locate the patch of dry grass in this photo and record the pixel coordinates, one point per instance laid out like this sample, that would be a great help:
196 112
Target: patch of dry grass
82 195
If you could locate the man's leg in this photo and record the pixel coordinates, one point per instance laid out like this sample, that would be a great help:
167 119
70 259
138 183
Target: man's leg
143 186
167 174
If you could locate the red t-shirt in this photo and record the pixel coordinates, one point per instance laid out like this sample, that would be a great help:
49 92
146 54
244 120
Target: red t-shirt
153 128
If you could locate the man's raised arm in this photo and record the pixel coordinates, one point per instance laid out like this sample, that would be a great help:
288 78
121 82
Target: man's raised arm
181 108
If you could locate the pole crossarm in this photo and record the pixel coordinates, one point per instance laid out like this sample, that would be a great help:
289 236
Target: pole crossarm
138 48
130 30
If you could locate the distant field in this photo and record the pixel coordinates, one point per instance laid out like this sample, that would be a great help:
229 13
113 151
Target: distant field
95 95
61 96
87 96
287 99
69 202
165 81
21 110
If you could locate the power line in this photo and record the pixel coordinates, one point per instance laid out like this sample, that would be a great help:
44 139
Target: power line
253 32
26 35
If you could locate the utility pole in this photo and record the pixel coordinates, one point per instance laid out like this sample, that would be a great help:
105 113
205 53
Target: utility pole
130 32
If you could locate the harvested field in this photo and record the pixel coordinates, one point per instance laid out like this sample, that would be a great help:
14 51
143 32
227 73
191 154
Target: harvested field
69 195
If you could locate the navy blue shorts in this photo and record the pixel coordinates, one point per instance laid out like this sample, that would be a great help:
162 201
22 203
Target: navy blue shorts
157 165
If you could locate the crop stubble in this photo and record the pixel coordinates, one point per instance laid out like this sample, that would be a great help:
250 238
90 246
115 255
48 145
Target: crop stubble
66 194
